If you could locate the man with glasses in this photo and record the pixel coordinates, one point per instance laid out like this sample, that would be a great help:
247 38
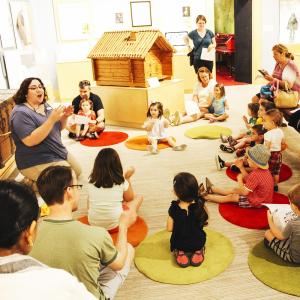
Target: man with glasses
86 252
85 93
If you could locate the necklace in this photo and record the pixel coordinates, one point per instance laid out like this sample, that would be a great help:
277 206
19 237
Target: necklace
32 107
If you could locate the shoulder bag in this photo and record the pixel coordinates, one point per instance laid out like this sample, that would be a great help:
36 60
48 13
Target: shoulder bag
191 54
285 98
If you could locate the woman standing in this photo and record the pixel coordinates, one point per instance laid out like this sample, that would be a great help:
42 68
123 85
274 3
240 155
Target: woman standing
202 38
285 71
36 130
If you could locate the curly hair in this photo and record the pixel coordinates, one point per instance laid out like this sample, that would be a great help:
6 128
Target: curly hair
21 94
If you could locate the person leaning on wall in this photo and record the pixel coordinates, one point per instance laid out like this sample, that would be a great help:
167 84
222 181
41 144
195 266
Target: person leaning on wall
202 38
85 93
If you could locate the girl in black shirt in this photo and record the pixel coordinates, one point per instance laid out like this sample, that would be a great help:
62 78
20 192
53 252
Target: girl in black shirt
187 216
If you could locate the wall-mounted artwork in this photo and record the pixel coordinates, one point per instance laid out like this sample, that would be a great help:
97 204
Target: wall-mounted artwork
7 28
119 18
21 23
289 11
72 19
141 13
176 38
186 11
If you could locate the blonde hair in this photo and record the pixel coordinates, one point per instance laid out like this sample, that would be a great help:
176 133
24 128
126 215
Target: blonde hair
275 115
294 195
204 70
280 48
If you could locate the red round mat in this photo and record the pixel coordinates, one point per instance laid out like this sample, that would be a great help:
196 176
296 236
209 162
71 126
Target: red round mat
253 218
285 173
106 138
140 142
135 234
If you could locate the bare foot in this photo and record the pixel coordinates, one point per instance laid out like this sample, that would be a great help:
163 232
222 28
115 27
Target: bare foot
129 172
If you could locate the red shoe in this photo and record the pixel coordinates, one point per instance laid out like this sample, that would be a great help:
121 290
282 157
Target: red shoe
197 258
182 259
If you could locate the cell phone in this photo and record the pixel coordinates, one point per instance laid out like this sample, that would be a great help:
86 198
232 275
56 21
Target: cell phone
263 72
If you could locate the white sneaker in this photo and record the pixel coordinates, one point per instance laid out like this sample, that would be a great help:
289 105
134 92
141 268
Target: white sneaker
152 150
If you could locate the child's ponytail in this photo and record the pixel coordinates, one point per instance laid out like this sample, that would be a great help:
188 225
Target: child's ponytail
200 211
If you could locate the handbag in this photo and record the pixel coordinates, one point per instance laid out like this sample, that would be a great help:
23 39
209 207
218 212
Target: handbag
285 98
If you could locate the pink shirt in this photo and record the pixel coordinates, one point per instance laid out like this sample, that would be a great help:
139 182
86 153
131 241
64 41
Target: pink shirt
260 183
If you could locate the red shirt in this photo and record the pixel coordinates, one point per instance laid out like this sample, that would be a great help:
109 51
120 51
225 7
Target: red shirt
91 115
260 183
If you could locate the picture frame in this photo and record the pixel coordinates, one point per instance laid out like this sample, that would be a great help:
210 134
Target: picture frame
186 11
140 13
77 13
7 31
119 18
175 38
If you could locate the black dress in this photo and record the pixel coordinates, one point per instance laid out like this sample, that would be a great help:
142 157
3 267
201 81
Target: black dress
188 234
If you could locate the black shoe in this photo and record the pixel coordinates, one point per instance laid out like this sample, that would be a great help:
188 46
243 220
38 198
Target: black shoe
276 188
266 243
220 163
235 169
72 135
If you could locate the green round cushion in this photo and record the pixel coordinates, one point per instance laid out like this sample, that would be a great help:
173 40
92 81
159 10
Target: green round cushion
270 269
154 259
207 132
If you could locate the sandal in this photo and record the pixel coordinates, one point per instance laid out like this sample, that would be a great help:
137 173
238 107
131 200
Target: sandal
232 142
227 149
202 192
223 138
209 186
197 258
181 258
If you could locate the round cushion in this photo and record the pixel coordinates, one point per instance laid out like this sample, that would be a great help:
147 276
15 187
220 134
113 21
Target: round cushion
207 132
285 173
155 260
135 234
106 138
254 218
270 269
140 142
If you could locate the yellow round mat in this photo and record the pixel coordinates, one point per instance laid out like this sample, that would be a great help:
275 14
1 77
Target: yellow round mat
207 132
154 259
270 269
140 142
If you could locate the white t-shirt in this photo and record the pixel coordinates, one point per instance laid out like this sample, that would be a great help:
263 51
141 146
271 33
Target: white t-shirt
105 205
36 281
204 92
158 130
275 136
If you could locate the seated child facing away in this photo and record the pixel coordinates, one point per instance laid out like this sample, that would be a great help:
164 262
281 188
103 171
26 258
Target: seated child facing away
258 186
155 126
86 130
273 140
110 191
219 104
187 216
242 139
286 243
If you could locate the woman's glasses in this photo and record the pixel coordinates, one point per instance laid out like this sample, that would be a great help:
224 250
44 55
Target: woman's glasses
34 87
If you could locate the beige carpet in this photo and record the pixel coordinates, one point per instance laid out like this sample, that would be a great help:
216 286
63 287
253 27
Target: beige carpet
153 179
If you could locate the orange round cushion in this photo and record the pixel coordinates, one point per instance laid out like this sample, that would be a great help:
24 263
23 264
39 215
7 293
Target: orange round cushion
135 234
140 142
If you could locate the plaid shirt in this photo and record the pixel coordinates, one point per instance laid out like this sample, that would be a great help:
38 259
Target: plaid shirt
260 183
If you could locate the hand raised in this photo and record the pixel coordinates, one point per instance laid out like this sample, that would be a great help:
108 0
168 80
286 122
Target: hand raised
57 113
68 111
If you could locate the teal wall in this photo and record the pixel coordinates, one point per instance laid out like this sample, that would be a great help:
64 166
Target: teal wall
224 16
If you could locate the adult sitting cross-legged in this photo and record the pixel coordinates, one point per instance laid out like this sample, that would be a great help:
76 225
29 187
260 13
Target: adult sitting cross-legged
85 93
85 251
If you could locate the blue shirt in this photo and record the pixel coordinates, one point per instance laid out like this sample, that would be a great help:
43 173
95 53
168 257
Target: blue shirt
197 39
219 105
24 121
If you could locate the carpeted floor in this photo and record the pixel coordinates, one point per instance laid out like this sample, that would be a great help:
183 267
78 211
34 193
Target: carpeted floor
153 179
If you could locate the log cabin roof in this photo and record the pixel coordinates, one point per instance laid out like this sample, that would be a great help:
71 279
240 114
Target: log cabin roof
129 44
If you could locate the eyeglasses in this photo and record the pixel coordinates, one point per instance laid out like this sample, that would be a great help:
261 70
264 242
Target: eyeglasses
34 88
78 186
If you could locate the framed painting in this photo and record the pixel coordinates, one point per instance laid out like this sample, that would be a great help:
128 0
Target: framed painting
140 13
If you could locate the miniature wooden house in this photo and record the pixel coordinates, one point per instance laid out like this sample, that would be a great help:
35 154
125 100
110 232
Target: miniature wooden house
129 58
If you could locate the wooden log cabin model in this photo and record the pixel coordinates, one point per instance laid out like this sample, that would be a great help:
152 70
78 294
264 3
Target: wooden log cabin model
129 58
